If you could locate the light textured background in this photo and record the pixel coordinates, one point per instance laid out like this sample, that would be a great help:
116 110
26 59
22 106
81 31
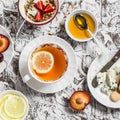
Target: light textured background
55 106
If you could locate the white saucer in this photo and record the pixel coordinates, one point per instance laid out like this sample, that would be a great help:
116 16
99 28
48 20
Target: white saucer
96 65
58 85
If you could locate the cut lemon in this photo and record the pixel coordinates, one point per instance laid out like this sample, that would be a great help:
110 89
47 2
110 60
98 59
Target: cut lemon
4 98
3 115
15 107
42 61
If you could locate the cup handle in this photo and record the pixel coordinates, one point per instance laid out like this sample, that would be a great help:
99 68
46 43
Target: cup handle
26 78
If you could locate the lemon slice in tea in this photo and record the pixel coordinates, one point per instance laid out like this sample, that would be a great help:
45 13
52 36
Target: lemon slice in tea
42 62
15 107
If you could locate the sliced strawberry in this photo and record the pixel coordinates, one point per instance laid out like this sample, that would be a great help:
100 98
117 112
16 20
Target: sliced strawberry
39 5
48 8
38 16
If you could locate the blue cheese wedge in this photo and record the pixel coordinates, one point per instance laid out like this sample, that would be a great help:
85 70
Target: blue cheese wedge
105 89
117 70
111 79
101 77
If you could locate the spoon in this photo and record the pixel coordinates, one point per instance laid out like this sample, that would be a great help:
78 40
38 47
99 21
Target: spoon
82 24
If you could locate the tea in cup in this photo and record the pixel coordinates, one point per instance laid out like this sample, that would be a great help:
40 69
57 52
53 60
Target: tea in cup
47 63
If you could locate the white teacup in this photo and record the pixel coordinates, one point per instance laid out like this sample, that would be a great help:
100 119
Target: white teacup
27 77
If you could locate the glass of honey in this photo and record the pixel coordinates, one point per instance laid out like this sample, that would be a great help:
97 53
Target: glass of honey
76 33
59 66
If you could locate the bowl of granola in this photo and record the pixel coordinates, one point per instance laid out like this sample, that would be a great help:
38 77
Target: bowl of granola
38 12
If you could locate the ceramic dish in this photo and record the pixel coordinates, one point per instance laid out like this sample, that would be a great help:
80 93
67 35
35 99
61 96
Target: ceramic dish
96 65
59 84
69 17
17 94
21 8
8 54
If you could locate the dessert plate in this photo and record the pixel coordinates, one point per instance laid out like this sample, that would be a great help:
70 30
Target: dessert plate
96 65
59 84
8 54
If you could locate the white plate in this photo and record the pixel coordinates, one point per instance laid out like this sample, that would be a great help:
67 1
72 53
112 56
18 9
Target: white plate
60 84
97 64
8 54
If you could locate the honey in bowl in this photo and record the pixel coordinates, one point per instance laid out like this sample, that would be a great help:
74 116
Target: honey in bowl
60 63
79 34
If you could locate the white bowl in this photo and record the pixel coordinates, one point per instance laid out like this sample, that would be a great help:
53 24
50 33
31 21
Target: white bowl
21 9
17 93
67 21
8 54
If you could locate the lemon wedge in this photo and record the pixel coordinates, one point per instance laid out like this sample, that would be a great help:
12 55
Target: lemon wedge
15 107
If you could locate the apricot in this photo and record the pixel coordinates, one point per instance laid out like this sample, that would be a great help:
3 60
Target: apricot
79 100
4 43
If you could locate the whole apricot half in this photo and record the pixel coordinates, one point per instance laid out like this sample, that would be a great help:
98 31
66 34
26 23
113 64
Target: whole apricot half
79 100
4 43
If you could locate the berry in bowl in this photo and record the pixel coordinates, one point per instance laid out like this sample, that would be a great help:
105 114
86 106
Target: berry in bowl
38 12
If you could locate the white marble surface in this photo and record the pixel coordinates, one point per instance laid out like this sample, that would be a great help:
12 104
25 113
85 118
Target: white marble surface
55 106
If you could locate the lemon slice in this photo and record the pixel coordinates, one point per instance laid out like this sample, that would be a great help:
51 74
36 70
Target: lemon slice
4 98
3 115
1 118
15 107
42 61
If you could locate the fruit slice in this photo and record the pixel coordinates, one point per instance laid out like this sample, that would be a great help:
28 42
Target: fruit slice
4 98
38 16
48 8
42 61
4 43
1 57
79 100
39 5
3 115
15 107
